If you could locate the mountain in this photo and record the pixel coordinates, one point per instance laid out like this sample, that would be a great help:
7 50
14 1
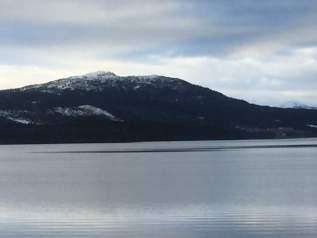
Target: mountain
104 107
297 105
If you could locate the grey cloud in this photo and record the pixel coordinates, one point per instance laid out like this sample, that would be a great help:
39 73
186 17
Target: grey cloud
44 32
181 27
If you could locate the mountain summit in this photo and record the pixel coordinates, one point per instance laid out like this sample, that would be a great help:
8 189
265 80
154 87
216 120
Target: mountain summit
100 74
98 81
104 107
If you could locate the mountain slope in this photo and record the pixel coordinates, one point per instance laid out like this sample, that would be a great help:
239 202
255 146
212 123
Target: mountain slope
102 107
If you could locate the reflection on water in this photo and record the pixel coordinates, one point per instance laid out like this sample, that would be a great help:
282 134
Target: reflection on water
245 189
189 221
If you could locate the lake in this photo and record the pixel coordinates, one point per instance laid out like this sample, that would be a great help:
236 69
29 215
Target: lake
265 188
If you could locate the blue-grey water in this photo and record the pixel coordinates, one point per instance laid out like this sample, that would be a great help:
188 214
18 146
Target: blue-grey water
162 190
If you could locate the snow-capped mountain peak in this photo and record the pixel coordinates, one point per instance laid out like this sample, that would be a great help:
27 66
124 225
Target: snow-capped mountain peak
297 105
99 80
98 74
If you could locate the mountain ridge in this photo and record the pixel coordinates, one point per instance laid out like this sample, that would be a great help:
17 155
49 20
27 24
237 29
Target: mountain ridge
104 107
87 81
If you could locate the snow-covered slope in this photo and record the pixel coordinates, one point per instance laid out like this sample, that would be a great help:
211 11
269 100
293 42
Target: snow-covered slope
84 110
28 117
99 80
18 116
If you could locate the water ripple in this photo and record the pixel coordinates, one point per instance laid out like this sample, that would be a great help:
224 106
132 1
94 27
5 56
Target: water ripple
192 221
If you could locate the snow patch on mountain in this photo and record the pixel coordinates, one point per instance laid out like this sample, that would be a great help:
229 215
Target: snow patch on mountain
85 110
16 116
312 126
21 120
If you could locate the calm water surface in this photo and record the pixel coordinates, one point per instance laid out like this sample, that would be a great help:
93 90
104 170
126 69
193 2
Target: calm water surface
180 189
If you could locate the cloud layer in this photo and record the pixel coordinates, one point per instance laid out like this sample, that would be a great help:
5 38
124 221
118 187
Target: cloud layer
262 51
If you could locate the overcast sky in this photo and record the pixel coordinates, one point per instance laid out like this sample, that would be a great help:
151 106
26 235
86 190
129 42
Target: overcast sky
264 51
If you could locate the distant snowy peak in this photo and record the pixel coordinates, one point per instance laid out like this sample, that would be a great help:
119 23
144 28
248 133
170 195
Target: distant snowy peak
99 80
297 105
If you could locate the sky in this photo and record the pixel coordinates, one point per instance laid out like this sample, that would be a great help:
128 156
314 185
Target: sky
264 52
